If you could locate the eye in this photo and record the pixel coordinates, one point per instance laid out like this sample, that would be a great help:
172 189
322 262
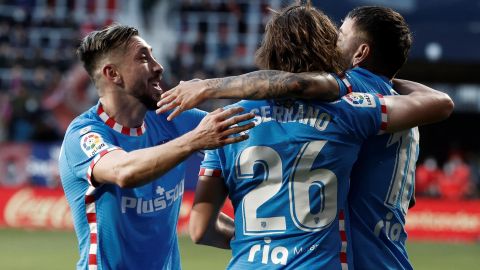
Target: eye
143 57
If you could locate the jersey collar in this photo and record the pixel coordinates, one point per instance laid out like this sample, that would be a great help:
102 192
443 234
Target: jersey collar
371 74
116 126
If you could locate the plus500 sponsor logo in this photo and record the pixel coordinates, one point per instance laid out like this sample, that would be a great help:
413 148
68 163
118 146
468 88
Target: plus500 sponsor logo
144 206
268 253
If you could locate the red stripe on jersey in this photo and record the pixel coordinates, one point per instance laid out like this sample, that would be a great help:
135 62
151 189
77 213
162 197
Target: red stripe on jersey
384 109
343 236
92 259
125 131
93 238
139 131
89 199
383 126
341 215
343 257
110 122
210 172
91 217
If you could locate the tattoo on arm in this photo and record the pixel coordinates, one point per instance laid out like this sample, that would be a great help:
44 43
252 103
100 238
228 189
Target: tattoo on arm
264 84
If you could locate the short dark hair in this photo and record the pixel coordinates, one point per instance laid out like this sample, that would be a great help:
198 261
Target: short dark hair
300 38
98 43
388 36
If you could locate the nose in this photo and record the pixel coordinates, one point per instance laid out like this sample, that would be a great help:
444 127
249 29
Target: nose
157 68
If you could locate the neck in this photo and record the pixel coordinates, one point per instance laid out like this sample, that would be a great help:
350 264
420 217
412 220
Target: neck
125 110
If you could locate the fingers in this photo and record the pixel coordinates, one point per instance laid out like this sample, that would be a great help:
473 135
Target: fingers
236 119
229 112
165 99
175 113
166 108
167 93
238 129
235 139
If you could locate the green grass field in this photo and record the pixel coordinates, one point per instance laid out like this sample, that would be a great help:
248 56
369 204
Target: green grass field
39 250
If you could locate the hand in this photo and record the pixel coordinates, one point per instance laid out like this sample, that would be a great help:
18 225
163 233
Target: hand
184 96
215 129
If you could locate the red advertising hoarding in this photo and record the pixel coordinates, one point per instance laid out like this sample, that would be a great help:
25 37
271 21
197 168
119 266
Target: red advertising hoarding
36 208
444 220
42 208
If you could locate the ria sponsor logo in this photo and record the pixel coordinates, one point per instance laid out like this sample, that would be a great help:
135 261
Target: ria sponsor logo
277 255
392 231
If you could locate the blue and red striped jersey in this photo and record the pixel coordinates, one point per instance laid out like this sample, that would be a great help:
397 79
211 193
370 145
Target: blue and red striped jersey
382 185
289 181
123 228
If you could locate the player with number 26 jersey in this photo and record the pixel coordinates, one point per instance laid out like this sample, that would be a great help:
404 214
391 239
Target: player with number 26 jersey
289 182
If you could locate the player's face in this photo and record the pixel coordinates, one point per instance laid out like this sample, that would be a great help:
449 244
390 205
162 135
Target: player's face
348 41
142 73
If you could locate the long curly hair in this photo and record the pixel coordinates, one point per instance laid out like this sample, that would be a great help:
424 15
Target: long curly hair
300 38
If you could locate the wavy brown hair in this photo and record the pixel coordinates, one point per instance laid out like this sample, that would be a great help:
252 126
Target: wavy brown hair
300 38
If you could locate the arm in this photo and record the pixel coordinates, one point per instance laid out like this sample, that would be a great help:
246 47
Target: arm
262 84
208 226
419 106
136 168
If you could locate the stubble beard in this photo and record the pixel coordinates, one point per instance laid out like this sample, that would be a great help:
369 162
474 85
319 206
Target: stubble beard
150 101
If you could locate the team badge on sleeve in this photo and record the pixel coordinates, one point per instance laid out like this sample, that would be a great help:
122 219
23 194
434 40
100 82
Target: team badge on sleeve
360 100
92 143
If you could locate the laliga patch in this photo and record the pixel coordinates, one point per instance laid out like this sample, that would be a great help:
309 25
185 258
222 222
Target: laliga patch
360 100
92 143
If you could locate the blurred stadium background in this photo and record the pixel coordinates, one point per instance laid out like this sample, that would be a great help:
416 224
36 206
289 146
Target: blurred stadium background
42 88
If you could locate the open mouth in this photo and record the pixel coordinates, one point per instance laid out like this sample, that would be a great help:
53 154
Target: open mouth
157 87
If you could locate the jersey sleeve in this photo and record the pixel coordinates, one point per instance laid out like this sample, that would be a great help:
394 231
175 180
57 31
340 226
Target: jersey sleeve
365 113
188 120
211 164
83 148
344 85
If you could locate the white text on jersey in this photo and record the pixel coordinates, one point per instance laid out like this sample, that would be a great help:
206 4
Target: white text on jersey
144 206
307 115
278 255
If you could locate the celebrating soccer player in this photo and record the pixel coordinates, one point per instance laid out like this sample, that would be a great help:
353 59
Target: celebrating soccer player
370 182
118 162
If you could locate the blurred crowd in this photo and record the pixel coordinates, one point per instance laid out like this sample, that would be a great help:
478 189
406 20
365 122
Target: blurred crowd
37 46
216 38
458 178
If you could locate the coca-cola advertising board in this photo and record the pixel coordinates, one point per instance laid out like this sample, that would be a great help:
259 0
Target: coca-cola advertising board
43 208
39 208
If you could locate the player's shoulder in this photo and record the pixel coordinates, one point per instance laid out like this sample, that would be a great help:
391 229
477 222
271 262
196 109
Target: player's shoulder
363 80
84 123
249 104
359 100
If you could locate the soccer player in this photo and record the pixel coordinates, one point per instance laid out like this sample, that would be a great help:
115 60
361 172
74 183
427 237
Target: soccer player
289 182
120 163
382 180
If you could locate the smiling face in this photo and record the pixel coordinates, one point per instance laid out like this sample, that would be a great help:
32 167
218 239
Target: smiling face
140 72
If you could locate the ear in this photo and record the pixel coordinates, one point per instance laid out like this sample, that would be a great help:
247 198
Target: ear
362 53
111 73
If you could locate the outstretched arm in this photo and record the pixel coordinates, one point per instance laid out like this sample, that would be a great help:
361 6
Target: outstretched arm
419 105
208 226
136 168
262 84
